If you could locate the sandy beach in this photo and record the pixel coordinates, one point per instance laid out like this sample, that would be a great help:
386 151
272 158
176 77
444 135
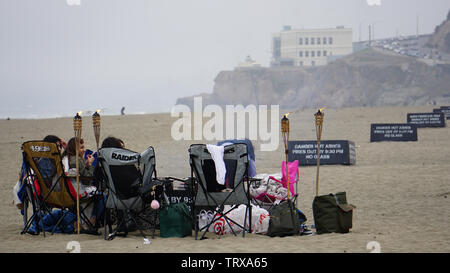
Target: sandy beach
401 189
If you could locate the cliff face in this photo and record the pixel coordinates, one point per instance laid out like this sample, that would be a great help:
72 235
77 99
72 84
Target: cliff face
441 37
366 78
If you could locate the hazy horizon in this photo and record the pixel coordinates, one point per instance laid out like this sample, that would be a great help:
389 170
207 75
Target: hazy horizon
57 58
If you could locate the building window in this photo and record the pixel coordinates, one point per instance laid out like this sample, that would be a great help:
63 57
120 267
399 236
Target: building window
324 53
313 40
318 40
306 41
313 63
313 53
318 53
300 53
324 40
300 41
306 53
300 63
330 40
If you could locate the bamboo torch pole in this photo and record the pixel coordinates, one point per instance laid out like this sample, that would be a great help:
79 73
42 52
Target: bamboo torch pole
285 133
77 126
319 122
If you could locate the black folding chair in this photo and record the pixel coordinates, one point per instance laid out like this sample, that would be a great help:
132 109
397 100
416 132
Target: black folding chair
216 196
126 173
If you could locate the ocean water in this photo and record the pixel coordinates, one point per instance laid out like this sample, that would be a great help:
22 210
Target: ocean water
35 112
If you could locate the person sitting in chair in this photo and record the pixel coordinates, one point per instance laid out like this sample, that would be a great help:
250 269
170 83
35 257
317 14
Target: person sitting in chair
85 171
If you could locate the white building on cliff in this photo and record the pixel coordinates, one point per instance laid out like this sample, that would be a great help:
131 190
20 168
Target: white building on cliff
310 47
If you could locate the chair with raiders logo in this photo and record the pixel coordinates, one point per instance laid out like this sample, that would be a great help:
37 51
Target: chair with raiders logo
48 192
126 173
234 191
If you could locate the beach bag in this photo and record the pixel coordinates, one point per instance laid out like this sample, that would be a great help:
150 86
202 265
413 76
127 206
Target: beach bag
284 220
175 220
332 213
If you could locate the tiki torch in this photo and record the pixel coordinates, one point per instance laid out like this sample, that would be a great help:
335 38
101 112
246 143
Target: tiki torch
319 122
77 126
96 125
285 133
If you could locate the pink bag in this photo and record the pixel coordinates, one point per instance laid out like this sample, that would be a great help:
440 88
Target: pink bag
293 175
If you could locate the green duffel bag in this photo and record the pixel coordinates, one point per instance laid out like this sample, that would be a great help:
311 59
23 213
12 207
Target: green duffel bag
332 213
284 220
175 220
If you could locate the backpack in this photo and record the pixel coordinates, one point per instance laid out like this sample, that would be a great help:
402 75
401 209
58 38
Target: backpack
332 213
284 220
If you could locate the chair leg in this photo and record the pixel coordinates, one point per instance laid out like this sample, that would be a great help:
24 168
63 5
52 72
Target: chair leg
104 222
245 221
137 225
120 222
196 223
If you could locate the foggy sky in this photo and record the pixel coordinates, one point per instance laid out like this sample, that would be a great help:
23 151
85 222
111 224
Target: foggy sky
144 54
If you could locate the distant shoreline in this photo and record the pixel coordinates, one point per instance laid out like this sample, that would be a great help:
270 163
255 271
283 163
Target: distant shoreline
168 113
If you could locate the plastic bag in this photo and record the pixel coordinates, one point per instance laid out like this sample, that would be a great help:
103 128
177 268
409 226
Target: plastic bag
226 226
260 220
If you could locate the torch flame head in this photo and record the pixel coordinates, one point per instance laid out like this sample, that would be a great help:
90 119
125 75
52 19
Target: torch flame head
320 111
96 114
285 123
323 108
77 124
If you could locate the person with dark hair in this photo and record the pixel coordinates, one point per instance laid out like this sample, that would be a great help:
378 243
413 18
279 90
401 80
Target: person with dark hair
112 142
60 143
46 166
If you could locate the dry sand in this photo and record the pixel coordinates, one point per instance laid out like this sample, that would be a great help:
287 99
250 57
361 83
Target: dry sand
401 189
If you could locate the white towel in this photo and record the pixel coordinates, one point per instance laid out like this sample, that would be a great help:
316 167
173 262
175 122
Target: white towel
217 155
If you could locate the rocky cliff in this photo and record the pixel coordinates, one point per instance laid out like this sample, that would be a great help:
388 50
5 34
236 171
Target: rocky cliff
440 39
366 78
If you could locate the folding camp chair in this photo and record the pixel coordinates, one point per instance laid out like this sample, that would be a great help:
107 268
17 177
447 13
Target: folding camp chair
125 172
211 194
47 187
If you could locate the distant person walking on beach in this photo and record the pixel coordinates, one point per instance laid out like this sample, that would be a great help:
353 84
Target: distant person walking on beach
122 111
